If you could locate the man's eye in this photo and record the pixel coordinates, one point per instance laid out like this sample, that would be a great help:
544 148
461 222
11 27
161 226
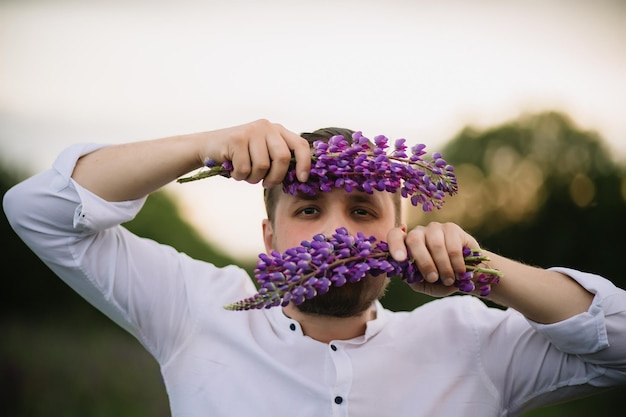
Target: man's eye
308 211
361 212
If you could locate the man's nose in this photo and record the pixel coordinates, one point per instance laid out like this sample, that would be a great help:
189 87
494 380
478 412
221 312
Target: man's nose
334 222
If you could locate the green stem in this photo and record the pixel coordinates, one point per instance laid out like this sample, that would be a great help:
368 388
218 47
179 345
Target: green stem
212 172
218 170
484 270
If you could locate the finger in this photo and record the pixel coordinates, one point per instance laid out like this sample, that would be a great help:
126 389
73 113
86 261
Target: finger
260 161
437 246
241 163
454 247
397 247
280 158
302 152
417 249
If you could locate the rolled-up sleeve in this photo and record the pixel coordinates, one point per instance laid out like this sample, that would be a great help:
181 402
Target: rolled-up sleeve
586 333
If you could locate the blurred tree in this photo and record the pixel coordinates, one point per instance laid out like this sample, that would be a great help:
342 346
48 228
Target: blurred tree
540 190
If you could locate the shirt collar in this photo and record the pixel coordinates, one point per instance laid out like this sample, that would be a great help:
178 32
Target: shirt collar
288 328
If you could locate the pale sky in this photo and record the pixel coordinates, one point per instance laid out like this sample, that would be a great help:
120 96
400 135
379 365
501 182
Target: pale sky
116 71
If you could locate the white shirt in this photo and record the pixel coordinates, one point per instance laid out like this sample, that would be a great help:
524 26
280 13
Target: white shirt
451 357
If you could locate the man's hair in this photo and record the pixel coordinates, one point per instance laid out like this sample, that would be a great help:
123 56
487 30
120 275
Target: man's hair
271 195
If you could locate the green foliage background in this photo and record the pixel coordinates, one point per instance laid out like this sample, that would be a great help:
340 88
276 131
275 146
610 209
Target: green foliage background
537 189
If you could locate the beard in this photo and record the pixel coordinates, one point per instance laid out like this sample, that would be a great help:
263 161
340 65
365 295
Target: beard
349 300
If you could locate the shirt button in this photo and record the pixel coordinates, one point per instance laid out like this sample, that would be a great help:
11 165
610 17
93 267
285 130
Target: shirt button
333 347
338 400
292 326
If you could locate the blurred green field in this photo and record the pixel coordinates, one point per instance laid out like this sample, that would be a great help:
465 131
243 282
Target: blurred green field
76 368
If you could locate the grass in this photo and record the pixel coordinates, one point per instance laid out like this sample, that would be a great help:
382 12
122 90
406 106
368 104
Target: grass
73 367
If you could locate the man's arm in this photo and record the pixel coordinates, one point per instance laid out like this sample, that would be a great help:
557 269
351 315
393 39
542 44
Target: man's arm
541 295
259 151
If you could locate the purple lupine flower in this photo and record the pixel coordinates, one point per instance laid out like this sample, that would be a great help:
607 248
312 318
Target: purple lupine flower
365 166
309 270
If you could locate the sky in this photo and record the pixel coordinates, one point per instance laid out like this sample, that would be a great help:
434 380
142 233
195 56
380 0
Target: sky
117 71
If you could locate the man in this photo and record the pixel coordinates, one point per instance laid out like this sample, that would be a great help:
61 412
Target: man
564 334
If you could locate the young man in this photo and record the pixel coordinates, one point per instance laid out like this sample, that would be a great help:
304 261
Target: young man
340 354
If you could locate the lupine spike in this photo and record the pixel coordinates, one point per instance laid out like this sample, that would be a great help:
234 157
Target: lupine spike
350 259
364 166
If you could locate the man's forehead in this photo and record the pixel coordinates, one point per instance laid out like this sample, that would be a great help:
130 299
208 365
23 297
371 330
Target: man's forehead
356 196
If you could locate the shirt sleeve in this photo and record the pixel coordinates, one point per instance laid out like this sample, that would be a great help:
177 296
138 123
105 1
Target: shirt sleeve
534 364
585 333
149 289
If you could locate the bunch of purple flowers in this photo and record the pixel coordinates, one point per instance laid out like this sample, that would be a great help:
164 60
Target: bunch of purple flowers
365 166
309 270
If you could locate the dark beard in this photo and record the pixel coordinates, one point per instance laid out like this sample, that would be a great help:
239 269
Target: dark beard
349 300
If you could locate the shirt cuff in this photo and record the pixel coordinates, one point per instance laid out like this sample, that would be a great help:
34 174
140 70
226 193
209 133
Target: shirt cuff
584 333
93 213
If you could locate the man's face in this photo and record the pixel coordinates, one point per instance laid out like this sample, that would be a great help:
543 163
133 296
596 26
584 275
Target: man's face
300 217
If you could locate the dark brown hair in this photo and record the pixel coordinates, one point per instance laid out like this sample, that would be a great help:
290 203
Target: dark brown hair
271 195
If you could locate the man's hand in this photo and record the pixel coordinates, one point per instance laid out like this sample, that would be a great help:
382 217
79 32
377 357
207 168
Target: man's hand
260 151
437 250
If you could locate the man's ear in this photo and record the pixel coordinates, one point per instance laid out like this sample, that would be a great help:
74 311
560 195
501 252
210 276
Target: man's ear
268 235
